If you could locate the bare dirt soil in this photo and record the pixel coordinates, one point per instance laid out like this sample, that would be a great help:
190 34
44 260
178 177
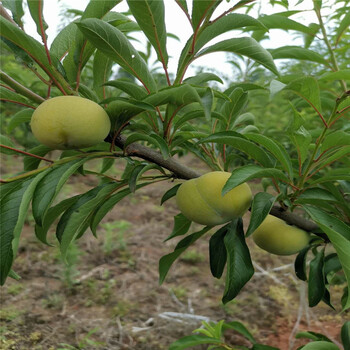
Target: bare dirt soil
108 296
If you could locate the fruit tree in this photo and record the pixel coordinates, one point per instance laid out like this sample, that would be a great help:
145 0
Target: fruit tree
96 97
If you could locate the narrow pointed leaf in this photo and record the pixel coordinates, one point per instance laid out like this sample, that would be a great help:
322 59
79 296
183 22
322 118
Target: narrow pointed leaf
181 226
114 44
241 143
132 89
23 116
298 53
339 75
64 41
217 252
150 16
239 265
50 186
339 234
31 163
202 78
200 9
193 340
276 149
250 172
36 11
52 214
14 204
170 193
316 284
76 219
345 335
244 46
261 206
343 26
16 8
167 260
300 264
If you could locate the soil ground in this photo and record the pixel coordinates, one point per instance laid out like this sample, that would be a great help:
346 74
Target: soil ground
108 296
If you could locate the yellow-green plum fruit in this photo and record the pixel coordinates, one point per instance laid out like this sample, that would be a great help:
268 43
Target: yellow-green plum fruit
277 237
70 122
201 201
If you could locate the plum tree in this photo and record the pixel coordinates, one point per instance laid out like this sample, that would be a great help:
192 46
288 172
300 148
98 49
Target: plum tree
277 237
201 201
70 122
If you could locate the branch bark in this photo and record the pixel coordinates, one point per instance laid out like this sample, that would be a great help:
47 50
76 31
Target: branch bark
181 171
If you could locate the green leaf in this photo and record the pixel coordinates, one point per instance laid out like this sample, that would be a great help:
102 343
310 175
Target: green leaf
224 24
317 193
82 50
16 8
23 116
76 218
193 340
276 149
166 261
114 44
217 252
320 345
138 171
343 74
309 38
312 335
261 206
14 275
153 139
36 11
239 265
241 143
231 109
298 53
343 26
207 102
245 46
150 16
31 163
4 140
202 78
136 91
308 89
102 69
64 41
52 214
335 139
316 284
277 21
300 264
181 226
28 45
9 95
345 335
49 187
14 204
249 172
339 234
170 193
240 328
200 9
180 95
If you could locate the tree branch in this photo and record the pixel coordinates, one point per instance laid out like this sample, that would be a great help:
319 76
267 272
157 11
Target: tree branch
183 172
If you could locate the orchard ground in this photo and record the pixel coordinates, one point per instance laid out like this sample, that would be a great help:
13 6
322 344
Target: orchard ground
108 297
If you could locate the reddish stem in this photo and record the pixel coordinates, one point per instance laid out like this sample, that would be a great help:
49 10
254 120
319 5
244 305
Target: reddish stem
235 7
26 153
19 103
43 32
8 88
184 10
